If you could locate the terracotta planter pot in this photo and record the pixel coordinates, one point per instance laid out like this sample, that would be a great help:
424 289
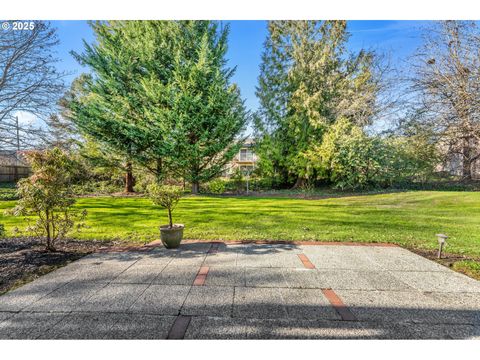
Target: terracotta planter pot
171 236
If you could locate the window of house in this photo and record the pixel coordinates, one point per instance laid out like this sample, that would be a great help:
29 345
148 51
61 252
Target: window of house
246 155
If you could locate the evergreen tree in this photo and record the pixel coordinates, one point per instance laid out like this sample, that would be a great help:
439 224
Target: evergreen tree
209 113
65 134
308 80
161 95
110 108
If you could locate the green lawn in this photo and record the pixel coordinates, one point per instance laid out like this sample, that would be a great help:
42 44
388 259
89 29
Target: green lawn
407 218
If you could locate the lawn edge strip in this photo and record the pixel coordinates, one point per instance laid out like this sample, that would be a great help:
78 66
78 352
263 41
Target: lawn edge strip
338 305
179 327
157 243
306 261
201 276
120 249
292 242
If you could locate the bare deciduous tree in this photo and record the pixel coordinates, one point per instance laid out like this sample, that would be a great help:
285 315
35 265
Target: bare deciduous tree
446 83
29 80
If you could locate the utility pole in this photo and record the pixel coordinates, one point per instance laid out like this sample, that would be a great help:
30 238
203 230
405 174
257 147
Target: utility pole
17 154
18 133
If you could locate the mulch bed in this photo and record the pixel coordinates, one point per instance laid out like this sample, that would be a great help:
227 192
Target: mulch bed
117 194
447 259
25 259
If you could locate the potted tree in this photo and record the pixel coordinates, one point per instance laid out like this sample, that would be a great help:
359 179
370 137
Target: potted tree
167 196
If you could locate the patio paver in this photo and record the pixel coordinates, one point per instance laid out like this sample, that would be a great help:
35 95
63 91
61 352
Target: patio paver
161 300
249 292
209 301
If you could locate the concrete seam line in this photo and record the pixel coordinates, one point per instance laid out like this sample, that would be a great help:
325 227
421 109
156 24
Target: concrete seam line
306 261
179 327
338 305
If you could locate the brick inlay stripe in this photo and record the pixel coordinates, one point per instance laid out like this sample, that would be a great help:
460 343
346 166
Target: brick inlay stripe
306 262
201 276
179 327
338 305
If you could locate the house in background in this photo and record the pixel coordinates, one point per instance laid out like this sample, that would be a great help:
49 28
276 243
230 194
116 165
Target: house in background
245 160
453 159
454 166
13 165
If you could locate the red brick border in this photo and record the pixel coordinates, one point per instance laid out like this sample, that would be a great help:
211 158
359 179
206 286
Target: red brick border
216 244
306 261
154 243
140 248
201 276
278 242
179 327
338 305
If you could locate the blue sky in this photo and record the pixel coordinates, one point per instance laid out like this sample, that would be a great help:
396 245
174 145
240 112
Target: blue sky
398 38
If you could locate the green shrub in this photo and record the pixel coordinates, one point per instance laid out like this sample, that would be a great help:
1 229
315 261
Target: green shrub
96 187
8 192
47 196
348 157
216 186
266 183
2 231
238 181
167 196
351 159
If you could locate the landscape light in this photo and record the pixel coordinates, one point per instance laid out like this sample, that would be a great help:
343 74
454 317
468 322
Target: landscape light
441 243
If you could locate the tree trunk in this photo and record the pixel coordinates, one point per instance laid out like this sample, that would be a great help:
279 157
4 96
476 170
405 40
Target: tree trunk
195 187
299 183
129 180
170 221
49 246
158 175
467 169
467 163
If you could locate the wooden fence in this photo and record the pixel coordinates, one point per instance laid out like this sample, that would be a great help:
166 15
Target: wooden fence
11 173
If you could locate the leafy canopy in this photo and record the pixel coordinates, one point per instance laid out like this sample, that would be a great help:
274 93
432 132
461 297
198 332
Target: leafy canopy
167 196
47 196
308 80
161 95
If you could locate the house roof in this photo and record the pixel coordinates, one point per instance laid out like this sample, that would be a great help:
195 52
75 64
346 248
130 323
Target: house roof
249 142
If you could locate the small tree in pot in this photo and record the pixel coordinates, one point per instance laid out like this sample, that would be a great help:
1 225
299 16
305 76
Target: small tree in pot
168 196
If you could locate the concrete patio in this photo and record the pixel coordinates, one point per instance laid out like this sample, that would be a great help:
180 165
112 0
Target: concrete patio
246 291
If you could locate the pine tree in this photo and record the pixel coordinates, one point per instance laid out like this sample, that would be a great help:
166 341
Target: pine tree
65 134
208 109
161 95
308 80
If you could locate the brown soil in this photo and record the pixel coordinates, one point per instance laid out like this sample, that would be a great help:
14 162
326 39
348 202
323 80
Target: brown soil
117 194
447 260
25 259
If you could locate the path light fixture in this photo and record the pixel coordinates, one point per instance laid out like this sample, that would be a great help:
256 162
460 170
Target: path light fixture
441 243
